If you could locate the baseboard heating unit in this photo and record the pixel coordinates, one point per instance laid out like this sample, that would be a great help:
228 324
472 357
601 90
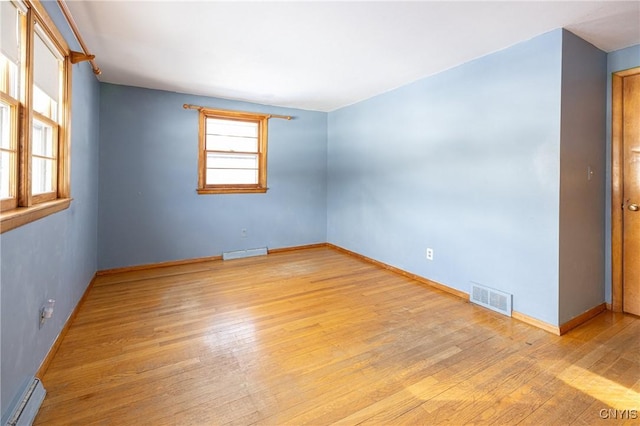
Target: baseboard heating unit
239 254
28 406
492 299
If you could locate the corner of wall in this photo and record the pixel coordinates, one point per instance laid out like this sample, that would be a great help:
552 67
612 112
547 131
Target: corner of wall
582 177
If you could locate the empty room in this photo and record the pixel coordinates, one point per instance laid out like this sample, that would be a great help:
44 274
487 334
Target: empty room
315 212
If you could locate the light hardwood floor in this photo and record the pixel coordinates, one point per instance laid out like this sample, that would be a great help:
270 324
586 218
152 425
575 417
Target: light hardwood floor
318 337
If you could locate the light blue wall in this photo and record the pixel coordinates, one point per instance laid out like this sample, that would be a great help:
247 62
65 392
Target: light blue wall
55 257
616 61
465 162
582 146
149 209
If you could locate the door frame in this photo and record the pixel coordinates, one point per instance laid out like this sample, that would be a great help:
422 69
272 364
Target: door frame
617 180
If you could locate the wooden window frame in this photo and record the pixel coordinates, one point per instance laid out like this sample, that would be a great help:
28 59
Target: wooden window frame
262 121
27 208
12 203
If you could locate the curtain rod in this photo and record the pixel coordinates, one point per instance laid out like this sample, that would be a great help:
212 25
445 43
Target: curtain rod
199 108
78 56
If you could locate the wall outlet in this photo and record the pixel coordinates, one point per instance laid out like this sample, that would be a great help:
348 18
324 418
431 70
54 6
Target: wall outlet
243 232
429 254
46 312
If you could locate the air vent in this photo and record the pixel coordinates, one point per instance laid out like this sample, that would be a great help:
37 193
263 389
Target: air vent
239 254
490 298
28 405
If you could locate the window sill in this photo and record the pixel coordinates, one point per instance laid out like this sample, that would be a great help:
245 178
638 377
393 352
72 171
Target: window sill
22 215
232 190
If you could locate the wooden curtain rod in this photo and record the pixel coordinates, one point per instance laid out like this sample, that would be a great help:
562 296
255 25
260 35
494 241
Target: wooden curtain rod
199 108
78 56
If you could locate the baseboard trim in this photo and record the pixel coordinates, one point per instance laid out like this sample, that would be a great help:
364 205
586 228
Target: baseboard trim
422 280
535 322
181 262
609 306
582 318
44 366
147 266
564 328
296 248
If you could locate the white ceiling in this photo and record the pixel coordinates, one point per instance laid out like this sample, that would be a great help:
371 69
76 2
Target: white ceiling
321 55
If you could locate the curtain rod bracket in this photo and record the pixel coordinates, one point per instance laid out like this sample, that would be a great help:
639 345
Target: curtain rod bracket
77 57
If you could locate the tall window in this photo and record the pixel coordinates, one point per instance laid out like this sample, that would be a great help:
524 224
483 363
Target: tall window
233 152
34 114
12 44
47 85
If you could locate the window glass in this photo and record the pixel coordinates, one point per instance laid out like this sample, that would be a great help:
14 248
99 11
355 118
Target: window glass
46 77
43 158
10 45
7 153
226 169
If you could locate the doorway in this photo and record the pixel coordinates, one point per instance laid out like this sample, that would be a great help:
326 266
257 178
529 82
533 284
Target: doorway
625 194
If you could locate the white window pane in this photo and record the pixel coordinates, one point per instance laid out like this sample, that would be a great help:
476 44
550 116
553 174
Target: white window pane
5 126
9 79
9 31
46 68
232 161
43 104
42 176
216 126
231 177
5 174
232 143
42 139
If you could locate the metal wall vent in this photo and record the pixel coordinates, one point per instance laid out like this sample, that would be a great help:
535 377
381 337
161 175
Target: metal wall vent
239 254
28 405
490 298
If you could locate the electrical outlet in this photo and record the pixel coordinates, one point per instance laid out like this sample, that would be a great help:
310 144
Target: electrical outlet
46 312
243 232
429 254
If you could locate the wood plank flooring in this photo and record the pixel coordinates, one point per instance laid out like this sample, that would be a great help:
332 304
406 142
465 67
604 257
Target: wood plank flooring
319 337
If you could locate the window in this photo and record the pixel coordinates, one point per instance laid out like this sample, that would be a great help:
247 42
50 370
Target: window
34 115
11 44
233 152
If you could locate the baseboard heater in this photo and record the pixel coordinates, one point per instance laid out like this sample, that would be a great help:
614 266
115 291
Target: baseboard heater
490 298
28 406
239 254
